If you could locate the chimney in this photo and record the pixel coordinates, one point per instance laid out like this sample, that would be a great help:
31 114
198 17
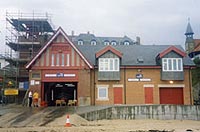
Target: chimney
72 33
138 40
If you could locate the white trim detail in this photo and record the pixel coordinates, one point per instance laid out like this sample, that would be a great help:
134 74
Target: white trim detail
60 30
148 85
118 85
171 85
102 87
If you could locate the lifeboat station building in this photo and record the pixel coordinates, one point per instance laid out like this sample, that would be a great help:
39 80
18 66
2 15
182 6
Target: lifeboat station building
103 74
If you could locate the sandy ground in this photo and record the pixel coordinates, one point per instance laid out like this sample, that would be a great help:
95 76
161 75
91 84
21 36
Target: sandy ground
81 125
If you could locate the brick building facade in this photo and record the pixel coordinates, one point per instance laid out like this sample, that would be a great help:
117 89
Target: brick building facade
103 74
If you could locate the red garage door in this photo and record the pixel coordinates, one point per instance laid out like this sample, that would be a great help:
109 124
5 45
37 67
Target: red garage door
171 95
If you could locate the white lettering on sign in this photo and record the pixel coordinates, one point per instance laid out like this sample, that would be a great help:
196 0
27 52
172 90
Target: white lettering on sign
60 75
136 80
69 75
145 79
133 80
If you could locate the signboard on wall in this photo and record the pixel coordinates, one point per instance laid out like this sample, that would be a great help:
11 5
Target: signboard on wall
11 92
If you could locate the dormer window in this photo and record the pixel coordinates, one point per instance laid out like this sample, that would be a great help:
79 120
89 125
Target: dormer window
93 42
108 64
126 43
106 42
80 42
172 64
113 43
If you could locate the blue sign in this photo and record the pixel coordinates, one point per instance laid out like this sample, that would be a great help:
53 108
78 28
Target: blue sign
139 76
60 75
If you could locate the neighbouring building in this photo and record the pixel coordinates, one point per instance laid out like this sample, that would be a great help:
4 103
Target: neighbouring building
26 34
104 74
192 46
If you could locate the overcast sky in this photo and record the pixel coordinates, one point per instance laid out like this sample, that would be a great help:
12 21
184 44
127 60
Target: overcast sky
160 22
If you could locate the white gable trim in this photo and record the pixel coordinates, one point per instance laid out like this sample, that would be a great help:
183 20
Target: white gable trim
49 42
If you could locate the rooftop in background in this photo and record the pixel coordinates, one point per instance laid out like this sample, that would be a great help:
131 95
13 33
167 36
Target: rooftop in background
91 39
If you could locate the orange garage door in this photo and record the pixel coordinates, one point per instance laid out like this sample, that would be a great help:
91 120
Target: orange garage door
171 95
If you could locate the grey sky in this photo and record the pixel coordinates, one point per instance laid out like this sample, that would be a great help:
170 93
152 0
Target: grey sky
155 21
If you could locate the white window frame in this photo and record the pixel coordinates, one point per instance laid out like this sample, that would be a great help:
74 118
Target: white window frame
106 43
80 42
113 43
126 43
102 87
105 64
93 42
172 64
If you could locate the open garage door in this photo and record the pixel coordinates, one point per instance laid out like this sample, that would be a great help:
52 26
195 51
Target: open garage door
171 96
59 91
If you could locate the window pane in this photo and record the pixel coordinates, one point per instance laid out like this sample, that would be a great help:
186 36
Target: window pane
57 60
165 66
116 65
106 64
102 92
52 59
111 65
67 59
101 65
63 58
169 64
35 75
174 64
180 65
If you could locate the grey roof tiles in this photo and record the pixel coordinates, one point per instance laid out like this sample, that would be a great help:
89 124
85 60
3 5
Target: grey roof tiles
132 53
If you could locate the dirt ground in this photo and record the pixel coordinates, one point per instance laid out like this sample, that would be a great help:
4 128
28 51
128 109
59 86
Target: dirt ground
81 125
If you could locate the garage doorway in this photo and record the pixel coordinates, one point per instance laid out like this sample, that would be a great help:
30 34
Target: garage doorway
171 96
59 91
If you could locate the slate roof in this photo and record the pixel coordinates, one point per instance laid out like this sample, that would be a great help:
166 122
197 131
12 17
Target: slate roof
87 38
131 54
189 30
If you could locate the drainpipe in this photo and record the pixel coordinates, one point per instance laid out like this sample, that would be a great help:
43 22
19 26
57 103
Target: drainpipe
124 84
94 85
191 98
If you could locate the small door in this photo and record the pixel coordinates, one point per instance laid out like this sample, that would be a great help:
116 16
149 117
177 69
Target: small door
117 95
148 95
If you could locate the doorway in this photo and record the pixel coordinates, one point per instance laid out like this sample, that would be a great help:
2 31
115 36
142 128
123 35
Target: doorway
59 91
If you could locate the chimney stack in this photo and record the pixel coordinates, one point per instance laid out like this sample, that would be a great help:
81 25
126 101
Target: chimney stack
72 33
138 40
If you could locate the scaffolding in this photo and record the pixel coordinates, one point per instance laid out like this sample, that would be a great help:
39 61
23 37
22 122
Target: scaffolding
26 33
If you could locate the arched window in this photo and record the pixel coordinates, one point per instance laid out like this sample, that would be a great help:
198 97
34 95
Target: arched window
80 42
106 42
93 42
113 43
126 43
